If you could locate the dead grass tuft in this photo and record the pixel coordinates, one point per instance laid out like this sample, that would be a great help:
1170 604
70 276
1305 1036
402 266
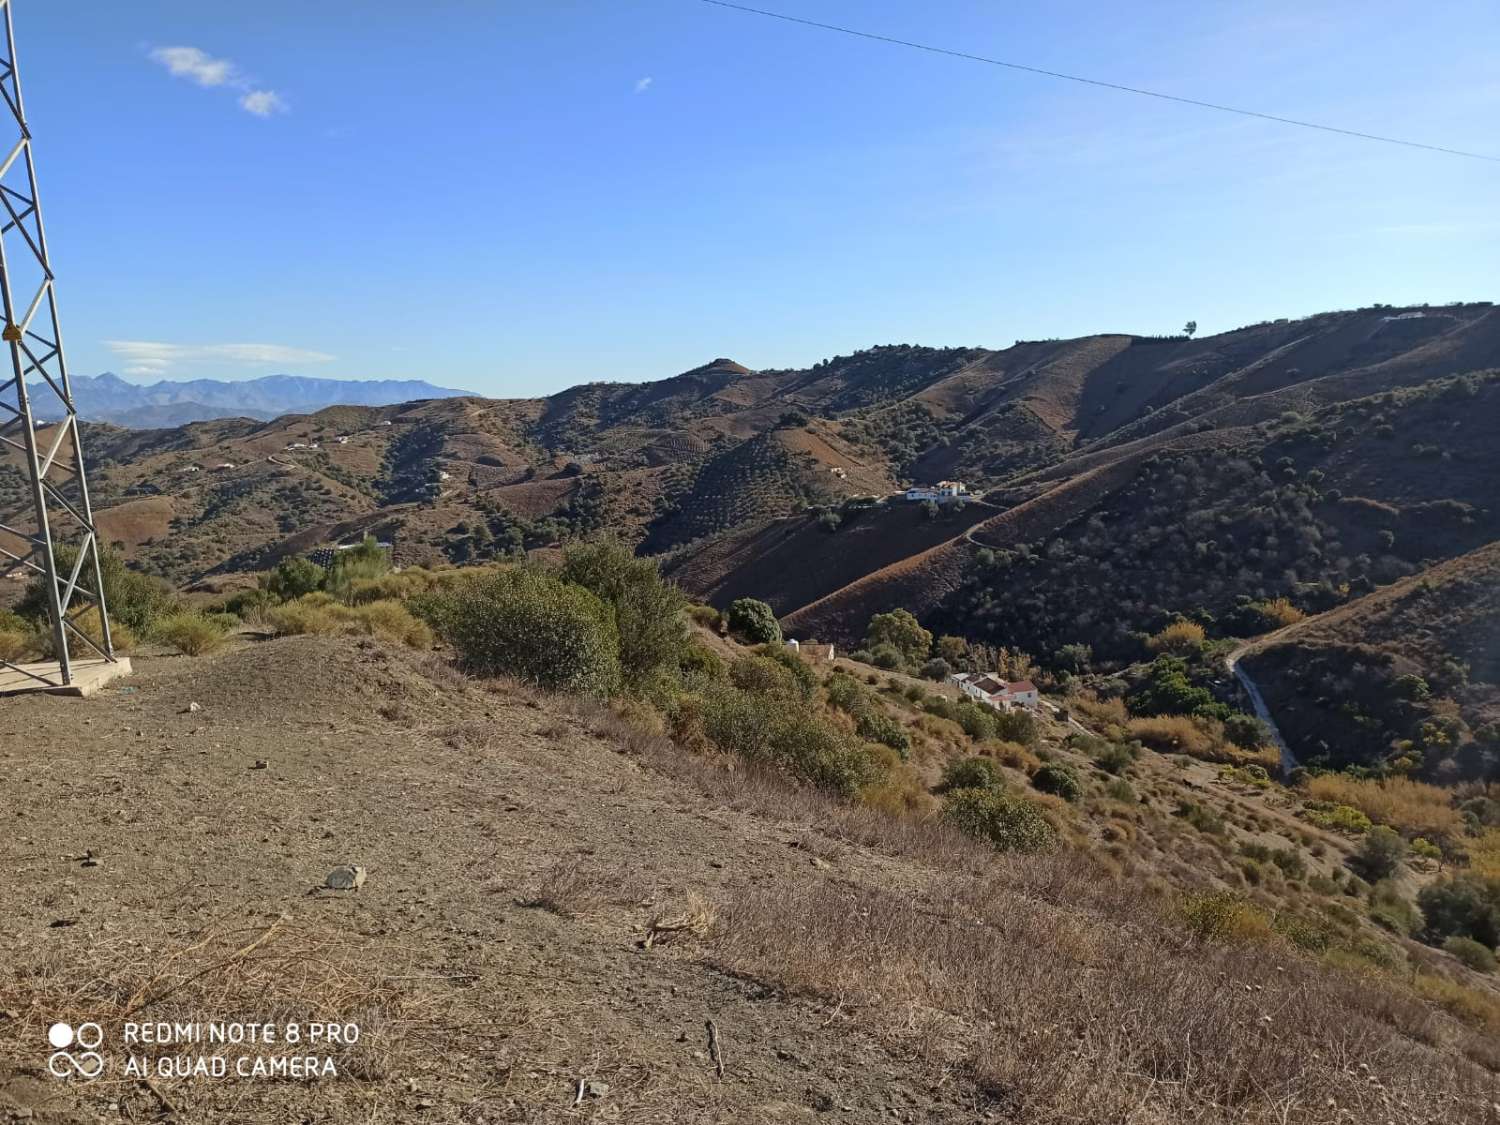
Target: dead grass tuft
1413 808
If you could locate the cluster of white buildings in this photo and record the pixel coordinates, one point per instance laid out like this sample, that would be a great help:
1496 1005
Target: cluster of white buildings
1003 695
944 492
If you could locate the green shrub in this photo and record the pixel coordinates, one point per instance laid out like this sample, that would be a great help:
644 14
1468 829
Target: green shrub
1115 757
1118 789
192 634
936 669
888 657
1016 726
531 625
901 631
1059 780
134 600
699 661
1340 818
356 566
1010 823
848 694
293 578
763 676
802 673
648 611
1201 817
874 726
1463 906
1380 855
1480 958
754 621
971 773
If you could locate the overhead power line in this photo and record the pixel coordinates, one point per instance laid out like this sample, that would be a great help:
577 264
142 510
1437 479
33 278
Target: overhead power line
970 57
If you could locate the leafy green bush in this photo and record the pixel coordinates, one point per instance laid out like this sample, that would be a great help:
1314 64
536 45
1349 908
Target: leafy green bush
971 773
648 610
192 634
1115 757
936 669
1016 726
1380 855
762 676
1463 906
874 726
901 631
1120 790
1340 818
359 564
1059 780
1480 958
135 600
755 621
802 673
1010 823
790 738
525 623
887 656
293 578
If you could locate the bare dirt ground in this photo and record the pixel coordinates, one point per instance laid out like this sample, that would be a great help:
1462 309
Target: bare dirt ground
163 863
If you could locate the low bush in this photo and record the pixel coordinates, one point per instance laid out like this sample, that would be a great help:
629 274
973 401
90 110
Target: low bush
192 634
1464 906
1009 823
971 773
528 624
391 621
1059 780
1223 916
873 726
1339 818
1480 958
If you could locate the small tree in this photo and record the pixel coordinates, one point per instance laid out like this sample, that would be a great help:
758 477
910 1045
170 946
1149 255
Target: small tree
755 621
1380 856
1190 329
902 631
293 578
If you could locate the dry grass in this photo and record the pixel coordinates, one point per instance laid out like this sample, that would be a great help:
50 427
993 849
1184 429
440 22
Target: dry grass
281 970
1070 998
1411 807
1199 738
1180 636
317 614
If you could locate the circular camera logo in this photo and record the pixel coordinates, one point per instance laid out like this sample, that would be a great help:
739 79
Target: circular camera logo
86 1062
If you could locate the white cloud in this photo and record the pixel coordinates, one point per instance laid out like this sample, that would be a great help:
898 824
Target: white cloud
203 69
195 65
263 103
644 84
149 357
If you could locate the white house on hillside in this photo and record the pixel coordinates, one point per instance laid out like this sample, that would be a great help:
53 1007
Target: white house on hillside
945 492
1001 694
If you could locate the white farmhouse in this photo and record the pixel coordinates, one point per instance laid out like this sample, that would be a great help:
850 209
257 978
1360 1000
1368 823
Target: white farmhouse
944 492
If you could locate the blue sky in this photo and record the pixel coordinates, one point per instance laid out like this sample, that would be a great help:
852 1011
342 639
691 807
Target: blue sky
516 196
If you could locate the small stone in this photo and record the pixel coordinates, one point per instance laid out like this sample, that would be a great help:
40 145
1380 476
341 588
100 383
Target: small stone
192 709
260 764
348 877
92 859
595 1089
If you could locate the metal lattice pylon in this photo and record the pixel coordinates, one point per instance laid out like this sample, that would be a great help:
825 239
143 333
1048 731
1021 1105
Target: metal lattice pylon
61 543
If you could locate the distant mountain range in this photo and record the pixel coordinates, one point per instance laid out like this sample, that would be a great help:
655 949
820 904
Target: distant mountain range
108 398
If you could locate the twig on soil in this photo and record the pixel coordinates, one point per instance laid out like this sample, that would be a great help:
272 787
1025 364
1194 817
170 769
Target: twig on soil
714 1050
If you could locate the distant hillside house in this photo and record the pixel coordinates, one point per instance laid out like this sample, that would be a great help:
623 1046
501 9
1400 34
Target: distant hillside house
1004 695
944 492
812 650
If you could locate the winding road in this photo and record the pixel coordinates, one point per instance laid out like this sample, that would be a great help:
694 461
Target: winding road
1262 712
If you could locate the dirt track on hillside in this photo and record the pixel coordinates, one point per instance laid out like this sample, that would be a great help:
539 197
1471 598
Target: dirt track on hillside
461 802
